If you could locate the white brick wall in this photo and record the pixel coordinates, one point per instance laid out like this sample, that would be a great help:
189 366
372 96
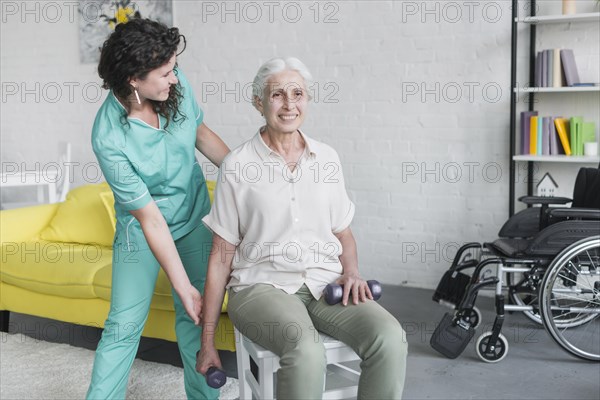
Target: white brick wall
421 166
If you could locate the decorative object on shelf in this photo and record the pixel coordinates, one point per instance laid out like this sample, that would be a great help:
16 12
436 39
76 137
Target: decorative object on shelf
547 186
569 7
98 18
590 149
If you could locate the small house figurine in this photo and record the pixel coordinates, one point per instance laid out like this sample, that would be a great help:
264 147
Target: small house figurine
547 186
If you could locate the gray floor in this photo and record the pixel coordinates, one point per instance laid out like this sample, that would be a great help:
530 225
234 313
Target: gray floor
535 368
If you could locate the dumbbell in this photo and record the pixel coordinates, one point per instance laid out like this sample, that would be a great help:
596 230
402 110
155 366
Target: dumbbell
215 377
334 292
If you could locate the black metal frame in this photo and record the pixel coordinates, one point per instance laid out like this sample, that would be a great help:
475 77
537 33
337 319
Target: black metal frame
513 99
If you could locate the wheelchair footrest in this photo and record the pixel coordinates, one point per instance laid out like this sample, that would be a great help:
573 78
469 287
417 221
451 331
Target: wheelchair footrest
452 287
449 338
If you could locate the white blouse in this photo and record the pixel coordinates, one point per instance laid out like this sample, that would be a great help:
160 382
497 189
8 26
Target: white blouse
282 222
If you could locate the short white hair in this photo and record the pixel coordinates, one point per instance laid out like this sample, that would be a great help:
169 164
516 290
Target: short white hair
275 66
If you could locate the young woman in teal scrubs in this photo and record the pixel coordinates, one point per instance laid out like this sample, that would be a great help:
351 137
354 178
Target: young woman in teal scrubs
144 136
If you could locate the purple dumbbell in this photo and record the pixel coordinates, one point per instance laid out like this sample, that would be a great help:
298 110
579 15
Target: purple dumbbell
215 377
334 292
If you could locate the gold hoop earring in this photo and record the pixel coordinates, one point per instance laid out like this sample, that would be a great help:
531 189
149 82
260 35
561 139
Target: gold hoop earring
137 96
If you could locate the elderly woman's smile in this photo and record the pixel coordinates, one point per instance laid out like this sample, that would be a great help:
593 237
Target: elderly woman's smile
284 101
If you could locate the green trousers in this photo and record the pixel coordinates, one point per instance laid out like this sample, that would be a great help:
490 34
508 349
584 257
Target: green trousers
287 325
133 279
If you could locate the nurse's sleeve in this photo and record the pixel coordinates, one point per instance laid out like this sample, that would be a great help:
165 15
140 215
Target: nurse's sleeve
223 218
341 207
188 95
129 189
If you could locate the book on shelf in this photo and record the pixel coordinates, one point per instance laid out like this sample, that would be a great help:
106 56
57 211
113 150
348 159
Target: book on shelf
556 68
538 70
549 67
545 142
533 132
554 147
567 59
544 78
576 136
525 129
562 128
550 135
557 74
588 133
539 140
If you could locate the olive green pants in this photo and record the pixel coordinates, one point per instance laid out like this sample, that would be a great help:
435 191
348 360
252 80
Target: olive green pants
287 325
133 279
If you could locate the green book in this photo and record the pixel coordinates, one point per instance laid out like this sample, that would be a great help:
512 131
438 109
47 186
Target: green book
576 136
588 132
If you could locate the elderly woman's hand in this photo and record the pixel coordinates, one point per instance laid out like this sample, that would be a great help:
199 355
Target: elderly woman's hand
357 287
207 357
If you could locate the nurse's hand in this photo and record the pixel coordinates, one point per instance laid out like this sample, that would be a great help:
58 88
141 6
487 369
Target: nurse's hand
192 302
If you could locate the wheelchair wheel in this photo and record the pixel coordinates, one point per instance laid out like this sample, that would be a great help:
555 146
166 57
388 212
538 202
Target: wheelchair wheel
529 297
474 317
571 289
491 353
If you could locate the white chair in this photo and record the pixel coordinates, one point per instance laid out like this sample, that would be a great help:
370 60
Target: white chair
64 161
267 363
54 177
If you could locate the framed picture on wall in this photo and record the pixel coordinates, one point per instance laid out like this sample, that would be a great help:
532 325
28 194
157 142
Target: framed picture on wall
98 18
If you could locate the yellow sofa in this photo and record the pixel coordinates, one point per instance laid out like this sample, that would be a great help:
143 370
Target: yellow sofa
56 263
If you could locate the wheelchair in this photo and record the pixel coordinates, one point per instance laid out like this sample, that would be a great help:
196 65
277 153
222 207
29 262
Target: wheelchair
547 261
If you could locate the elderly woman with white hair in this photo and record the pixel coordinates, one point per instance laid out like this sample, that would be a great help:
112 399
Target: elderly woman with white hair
281 232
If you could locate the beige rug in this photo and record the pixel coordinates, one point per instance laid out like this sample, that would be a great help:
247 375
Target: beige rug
34 369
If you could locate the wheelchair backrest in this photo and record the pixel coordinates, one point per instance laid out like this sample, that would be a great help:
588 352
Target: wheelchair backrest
586 193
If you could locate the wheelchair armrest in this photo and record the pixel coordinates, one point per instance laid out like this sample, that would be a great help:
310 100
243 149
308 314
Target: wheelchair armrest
544 202
583 213
530 200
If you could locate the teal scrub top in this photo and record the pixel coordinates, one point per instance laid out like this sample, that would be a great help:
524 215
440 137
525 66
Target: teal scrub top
142 163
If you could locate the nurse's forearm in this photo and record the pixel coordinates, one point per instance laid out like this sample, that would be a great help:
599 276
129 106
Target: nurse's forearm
219 270
211 145
161 243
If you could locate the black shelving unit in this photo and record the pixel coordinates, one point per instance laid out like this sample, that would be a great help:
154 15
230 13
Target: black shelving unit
516 18
513 98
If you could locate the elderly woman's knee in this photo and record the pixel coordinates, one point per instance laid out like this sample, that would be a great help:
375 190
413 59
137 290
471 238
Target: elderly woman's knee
388 339
309 353
395 339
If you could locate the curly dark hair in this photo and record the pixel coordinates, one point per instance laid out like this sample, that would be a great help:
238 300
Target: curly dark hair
133 50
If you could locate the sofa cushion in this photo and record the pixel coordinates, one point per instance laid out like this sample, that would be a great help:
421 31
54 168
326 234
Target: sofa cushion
82 218
162 299
54 268
108 200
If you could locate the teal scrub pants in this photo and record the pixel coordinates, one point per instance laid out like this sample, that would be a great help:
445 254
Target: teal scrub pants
288 325
133 279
